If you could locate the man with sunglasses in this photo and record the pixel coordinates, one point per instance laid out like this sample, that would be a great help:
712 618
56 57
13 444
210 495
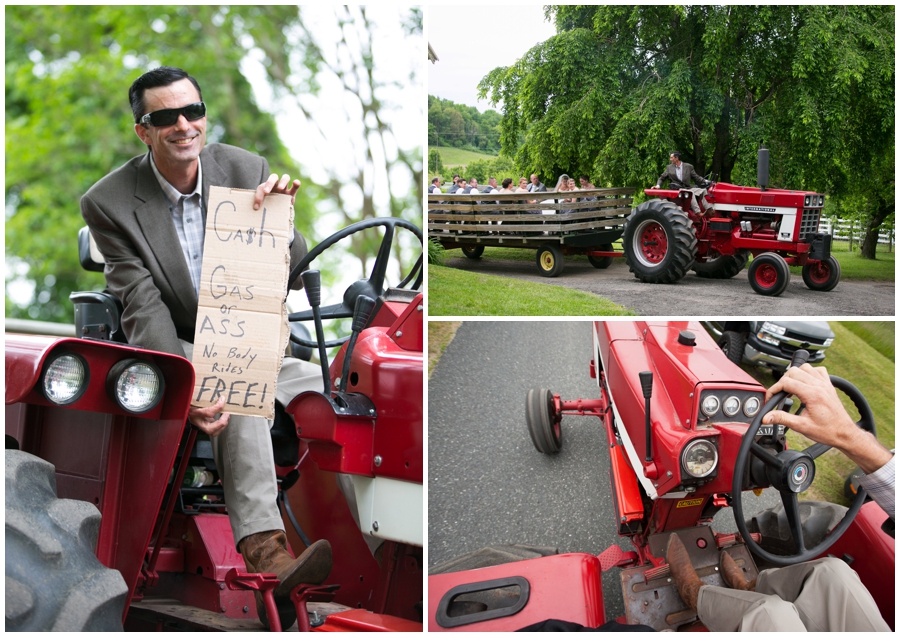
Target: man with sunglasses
148 218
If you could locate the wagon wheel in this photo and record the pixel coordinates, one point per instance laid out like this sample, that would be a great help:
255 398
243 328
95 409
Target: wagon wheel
601 263
473 252
822 276
769 274
550 260
660 245
543 421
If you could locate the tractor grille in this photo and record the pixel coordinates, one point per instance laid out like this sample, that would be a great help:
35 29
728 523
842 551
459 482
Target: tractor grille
809 222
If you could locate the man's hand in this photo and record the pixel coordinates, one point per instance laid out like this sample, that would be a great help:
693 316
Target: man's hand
274 185
208 420
825 420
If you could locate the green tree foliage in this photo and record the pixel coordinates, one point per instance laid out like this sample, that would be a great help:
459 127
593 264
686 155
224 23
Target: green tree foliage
68 122
435 165
461 126
620 87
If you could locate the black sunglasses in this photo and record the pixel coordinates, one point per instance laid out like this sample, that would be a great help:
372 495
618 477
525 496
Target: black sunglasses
168 116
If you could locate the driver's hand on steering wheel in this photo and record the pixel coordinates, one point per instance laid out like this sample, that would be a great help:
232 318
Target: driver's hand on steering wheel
283 186
825 419
208 419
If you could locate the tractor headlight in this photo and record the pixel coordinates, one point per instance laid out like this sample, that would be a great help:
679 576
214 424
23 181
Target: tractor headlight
731 406
65 378
710 405
751 406
806 201
699 458
821 200
136 386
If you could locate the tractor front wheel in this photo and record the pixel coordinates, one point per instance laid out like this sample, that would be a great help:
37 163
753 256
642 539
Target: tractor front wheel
659 242
550 260
601 263
769 274
724 266
542 420
732 344
54 581
822 276
473 252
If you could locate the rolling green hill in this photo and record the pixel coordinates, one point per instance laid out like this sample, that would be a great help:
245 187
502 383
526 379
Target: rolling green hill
452 157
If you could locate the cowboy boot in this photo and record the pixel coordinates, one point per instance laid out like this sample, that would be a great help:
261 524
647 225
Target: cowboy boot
733 575
686 580
266 552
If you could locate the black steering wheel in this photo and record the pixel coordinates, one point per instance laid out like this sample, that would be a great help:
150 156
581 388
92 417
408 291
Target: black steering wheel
372 287
791 473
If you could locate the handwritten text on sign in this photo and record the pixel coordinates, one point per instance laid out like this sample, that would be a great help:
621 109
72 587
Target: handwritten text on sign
241 323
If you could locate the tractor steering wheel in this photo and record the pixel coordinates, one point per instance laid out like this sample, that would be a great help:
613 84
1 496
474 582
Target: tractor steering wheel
372 287
792 472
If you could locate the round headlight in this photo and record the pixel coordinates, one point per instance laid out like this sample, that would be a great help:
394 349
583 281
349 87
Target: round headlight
751 406
731 406
136 386
700 458
710 405
65 379
821 200
806 201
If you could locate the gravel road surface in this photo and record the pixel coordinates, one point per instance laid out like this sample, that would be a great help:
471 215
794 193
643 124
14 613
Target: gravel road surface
487 485
692 295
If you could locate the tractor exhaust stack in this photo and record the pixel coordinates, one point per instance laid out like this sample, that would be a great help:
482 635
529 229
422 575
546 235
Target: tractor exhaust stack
762 168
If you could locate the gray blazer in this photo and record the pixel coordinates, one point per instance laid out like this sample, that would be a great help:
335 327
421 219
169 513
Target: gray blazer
688 174
129 218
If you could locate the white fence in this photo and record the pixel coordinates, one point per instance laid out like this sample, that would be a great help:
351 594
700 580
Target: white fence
840 229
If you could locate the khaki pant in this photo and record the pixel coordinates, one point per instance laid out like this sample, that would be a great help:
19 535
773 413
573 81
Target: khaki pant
698 192
243 454
823 595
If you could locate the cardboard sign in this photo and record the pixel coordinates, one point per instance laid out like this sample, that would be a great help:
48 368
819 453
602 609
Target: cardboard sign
242 327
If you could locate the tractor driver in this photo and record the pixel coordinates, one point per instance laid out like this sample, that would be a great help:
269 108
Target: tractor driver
680 175
148 219
822 595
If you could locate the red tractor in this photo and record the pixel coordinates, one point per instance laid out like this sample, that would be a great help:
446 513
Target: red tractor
114 514
684 437
664 238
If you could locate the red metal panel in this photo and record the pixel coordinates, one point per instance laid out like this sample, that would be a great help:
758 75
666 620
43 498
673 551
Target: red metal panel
625 484
363 621
407 330
336 442
578 574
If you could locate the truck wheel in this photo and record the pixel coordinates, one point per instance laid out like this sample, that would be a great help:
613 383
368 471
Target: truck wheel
659 242
822 276
54 581
732 343
601 263
473 252
550 260
540 416
725 266
769 274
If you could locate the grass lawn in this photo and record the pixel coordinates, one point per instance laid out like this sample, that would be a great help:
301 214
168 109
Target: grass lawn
854 266
452 157
858 354
440 333
487 295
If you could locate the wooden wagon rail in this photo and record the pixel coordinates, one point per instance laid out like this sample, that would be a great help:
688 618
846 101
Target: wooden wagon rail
507 219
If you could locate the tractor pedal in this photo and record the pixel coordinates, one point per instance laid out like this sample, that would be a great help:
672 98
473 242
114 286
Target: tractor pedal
615 556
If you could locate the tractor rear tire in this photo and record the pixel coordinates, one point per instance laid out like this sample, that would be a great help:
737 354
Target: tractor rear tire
545 431
769 274
473 252
732 344
725 266
601 263
822 276
660 245
550 260
54 581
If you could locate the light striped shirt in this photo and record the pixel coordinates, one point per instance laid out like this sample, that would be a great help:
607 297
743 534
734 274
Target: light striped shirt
880 486
187 215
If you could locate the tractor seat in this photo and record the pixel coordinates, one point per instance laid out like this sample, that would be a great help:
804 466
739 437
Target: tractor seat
97 314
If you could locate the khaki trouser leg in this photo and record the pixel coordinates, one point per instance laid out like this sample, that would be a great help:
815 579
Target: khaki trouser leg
823 595
729 610
827 594
243 455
